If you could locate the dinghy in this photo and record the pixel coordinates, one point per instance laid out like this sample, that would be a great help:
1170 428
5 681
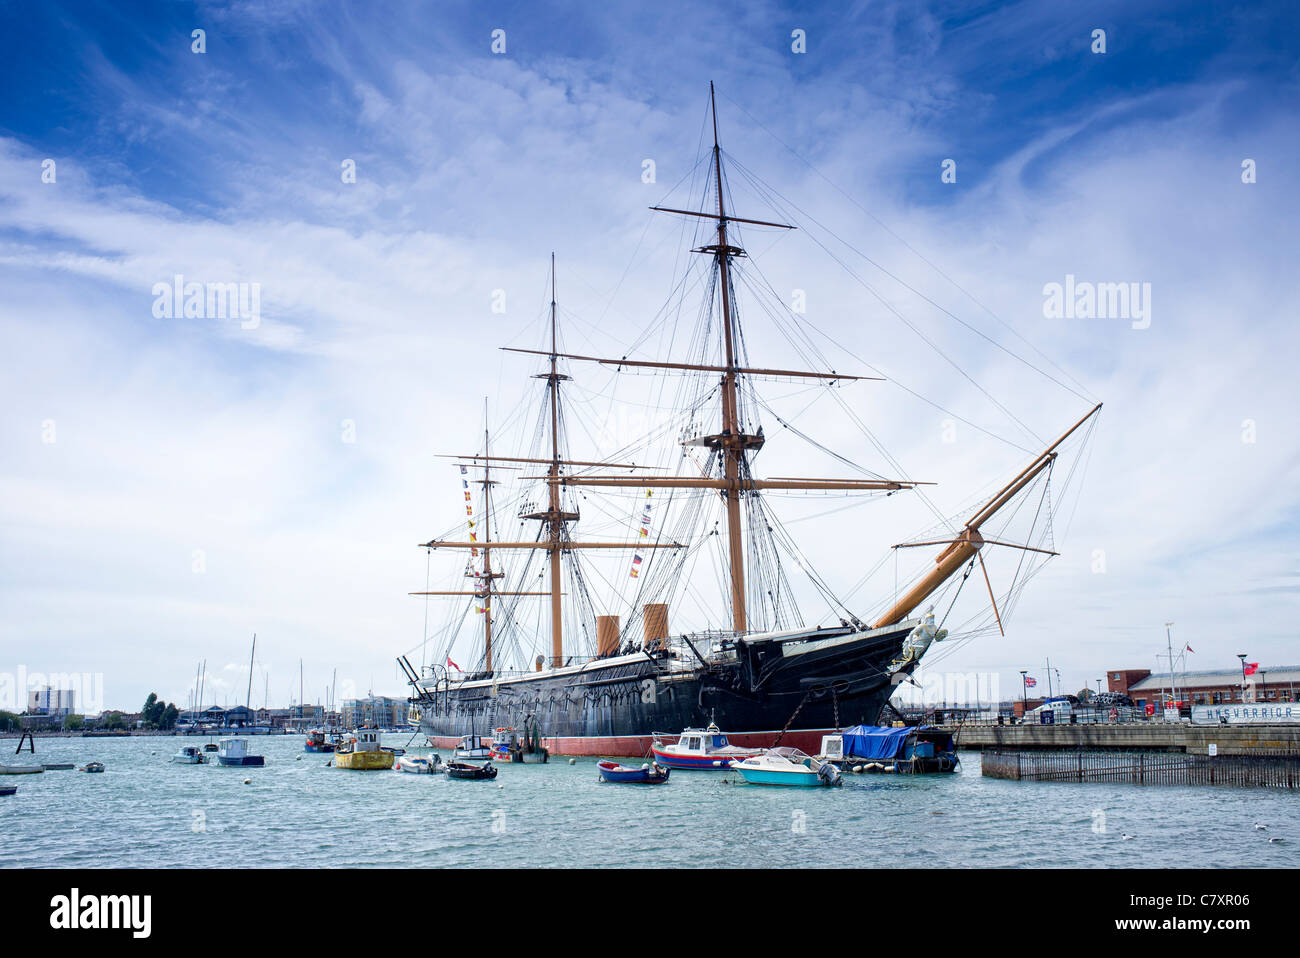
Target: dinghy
93 767
471 772
8 789
21 769
647 774
420 766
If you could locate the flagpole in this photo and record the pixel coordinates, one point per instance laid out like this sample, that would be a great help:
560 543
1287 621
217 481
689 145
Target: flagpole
1173 685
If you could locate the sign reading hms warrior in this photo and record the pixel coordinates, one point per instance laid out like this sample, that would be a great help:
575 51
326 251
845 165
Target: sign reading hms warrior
1280 713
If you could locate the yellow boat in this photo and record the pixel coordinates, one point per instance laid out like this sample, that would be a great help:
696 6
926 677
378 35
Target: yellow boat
363 753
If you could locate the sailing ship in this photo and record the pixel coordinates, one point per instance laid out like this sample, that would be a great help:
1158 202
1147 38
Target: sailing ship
769 678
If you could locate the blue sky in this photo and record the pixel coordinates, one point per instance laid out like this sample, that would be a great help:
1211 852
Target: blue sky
181 436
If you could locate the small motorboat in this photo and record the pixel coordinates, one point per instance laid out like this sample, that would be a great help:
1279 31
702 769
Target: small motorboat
316 742
648 774
234 751
787 766
363 753
419 765
702 749
189 755
21 769
93 767
8 790
471 772
472 747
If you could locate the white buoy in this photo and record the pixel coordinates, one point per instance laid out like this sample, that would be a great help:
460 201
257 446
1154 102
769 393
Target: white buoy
858 769
248 781
573 761
500 786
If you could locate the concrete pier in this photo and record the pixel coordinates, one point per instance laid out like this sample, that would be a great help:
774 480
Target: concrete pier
1152 736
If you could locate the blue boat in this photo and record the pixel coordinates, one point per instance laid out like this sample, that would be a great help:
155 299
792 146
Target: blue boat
648 774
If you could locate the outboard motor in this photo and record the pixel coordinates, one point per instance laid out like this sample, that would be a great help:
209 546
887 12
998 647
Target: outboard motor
829 774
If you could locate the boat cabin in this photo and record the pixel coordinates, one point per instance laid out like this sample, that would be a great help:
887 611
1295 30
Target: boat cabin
233 748
702 741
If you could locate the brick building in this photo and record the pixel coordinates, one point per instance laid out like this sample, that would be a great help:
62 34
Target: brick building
1210 687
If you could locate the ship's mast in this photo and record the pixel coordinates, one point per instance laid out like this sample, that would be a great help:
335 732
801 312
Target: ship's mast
487 549
732 443
555 518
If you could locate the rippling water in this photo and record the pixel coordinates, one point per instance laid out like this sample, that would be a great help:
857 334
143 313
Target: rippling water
145 811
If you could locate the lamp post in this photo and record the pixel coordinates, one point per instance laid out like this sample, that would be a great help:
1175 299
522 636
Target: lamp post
1099 686
1242 656
1024 694
1263 685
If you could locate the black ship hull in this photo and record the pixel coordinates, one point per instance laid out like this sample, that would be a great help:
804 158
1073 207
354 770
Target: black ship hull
806 683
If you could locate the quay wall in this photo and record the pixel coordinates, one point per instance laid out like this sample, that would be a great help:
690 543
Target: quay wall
1151 736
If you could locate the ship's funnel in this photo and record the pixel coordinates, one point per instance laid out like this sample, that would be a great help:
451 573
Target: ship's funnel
656 625
606 635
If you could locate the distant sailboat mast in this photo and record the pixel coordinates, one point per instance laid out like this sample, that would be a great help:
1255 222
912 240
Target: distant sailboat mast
248 701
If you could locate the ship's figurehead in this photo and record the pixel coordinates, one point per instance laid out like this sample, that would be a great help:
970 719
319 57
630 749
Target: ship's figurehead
917 641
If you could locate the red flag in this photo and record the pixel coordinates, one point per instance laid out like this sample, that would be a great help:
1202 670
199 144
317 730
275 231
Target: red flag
453 664
1189 649
1252 668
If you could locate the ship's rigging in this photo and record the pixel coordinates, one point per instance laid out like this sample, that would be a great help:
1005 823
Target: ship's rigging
718 429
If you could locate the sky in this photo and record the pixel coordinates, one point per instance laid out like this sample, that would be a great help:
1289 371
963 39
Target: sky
171 485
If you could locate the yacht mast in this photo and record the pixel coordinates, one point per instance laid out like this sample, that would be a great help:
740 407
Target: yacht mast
248 702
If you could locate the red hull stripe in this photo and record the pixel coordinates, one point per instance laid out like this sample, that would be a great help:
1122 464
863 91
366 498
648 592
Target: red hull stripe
639 746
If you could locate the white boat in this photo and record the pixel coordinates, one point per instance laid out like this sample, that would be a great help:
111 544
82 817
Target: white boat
420 765
473 747
705 749
21 769
787 766
190 755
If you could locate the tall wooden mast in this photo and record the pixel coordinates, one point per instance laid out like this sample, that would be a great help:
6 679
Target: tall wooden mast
556 541
487 548
731 442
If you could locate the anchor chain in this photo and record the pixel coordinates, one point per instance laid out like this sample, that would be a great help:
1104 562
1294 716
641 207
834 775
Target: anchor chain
793 714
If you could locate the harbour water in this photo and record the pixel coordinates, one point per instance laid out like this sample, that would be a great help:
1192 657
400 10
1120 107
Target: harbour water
144 811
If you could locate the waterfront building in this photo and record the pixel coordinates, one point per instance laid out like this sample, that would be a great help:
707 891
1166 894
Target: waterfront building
1211 687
